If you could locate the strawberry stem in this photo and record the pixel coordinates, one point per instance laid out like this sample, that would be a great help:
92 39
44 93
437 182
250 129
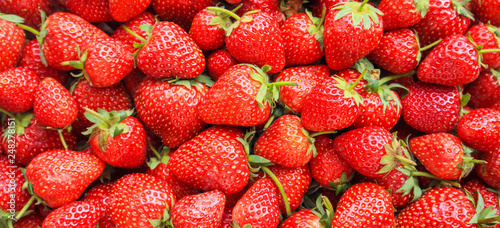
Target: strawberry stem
362 5
25 208
357 81
488 51
222 10
321 133
98 116
29 29
10 114
280 187
154 150
392 77
430 176
63 141
430 45
134 34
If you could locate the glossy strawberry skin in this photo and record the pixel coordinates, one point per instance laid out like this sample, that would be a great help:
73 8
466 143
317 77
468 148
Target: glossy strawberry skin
480 129
489 171
303 218
392 182
12 195
306 78
453 62
13 41
168 52
487 11
122 11
431 108
371 112
133 24
219 62
179 188
399 14
53 105
31 60
422 213
318 6
199 161
79 169
29 10
258 206
17 89
180 12
272 7
137 198
170 111
202 210
262 35
93 11
207 36
77 213
350 211
481 35
301 47
99 196
33 220
397 51
484 91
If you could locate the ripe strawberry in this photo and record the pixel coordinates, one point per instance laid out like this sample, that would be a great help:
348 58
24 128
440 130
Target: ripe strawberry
33 220
107 98
138 200
64 32
202 210
488 36
168 50
485 90
133 24
99 196
214 159
259 206
180 189
29 10
400 14
379 110
206 29
272 7
12 195
17 89
351 75
74 214
306 78
117 138
486 11
480 129
285 142
352 212
443 18
79 170
431 108
302 218
132 82
341 53
13 41
317 7
455 210
31 60
53 105
218 62
394 182
170 109
180 12
490 170
490 196
122 11
92 11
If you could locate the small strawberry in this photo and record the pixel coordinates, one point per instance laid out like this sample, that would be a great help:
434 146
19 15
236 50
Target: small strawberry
31 60
489 170
29 10
78 169
139 200
180 12
480 129
33 220
13 41
202 210
485 90
206 29
487 11
133 25
319 5
17 89
12 195
122 11
92 11
395 182
272 7
99 196
218 62
74 214
487 36
53 105
400 14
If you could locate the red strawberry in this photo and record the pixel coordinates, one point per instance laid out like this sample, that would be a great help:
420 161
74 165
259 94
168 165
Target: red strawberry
170 109
400 14
78 169
490 196
214 159
202 210
341 53
31 60
395 182
306 78
12 195
488 36
138 200
168 51
17 89
74 214
259 206
54 106
180 12
99 196
485 90
364 205
121 34
180 189
303 218
490 170
431 108
13 41
132 82
29 10
318 5
272 7
124 10
487 11
480 129
92 11
206 29
218 62
33 220
380 111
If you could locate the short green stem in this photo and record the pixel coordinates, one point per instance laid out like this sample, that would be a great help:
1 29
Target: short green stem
362 5
323 17
358 80
488 51
403 159
10 223
321 133
98 115
154 150
280 187
61 136
134 34
230 13
25 208
282 83
430 45
10 114
392 77
328 204
29 29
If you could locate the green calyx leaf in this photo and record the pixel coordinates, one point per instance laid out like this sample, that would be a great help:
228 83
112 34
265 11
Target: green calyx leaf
360 12
410 185
348 88
342 184
421 6
485 216
459 6
317 29
397 153
12 18
106 124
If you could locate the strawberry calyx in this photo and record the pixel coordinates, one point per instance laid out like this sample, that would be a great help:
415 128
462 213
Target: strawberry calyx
360 11
17 123
310 139
317 28
485 216
196 82
397 153
468 162
79 64
106 124
348 88
166 220
160 157
385 91
363 64
481 51
496 32
324 210
227 25
464 99
421 6
461 9
223 18
344 183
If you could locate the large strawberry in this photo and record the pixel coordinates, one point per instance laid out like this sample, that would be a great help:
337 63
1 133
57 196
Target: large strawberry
202 210
485 90
487 11
17 89
31 60
170 109
13 41
488 36
74 214
78 169
480 129
124 10
402 13
180 12
363 25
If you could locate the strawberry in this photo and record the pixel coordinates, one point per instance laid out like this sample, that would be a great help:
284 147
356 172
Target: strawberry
99 196
33 220
302 218
17 89
53 105
79 170
487 36
117 138
206 29
443 18
29 10
394 182
180 189
132 82
489 170
170 109
485 90
77 213
133 24
13 41
202 210
400 14
180 12
218 62
92 11
258 207
285 143
352 212
31 60
480 129
341 53
455 210
431 108
122 11
213 160
139 200
12 195
486 11
167 51
272 7
318 5
490 196
306 78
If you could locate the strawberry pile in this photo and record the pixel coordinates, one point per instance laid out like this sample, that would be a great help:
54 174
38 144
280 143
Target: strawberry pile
249 113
